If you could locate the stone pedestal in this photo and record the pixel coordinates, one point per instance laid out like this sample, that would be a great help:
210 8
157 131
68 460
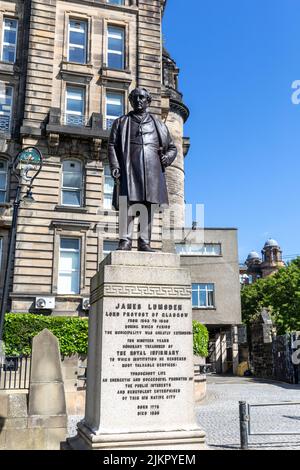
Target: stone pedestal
140 375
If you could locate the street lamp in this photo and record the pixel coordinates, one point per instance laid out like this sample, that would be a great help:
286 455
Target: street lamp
26 167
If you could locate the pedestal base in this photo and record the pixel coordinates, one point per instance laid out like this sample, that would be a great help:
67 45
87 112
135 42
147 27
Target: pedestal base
181 440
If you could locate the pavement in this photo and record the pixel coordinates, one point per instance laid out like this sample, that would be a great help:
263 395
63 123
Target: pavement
218 414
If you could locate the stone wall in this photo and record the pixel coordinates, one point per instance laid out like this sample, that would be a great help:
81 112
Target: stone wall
273 357
262 332
73 369
21 431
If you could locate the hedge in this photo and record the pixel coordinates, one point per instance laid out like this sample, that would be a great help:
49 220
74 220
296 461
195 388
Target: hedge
72 334
19 329
200 336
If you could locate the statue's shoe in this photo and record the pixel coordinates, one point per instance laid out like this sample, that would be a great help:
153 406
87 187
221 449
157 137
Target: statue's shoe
124 245
146 248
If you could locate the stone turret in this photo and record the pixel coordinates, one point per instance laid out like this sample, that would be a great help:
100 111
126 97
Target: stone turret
257 267
271 258
175 113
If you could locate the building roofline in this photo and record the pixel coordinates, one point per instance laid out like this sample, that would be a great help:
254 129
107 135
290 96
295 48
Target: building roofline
212 228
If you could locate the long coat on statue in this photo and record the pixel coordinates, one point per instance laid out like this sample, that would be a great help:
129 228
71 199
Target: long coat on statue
135 146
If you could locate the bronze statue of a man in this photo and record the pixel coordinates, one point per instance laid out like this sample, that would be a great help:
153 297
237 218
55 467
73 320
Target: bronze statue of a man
140 148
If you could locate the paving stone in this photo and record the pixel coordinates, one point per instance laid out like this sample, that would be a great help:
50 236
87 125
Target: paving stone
218 415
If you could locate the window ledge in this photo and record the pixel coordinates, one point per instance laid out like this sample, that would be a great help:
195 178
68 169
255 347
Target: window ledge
204 308
84 72
80 210
119 75
77 297
5 135
126 8
9 68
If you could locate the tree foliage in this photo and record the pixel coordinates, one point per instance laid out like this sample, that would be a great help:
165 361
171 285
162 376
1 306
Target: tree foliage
200 336
280 293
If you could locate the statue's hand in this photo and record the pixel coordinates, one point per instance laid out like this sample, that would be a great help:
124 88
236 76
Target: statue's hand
116 174
164 160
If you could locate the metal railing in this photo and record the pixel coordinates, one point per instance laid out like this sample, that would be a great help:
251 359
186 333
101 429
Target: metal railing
246 429
74 120
203 369
4 124
15 373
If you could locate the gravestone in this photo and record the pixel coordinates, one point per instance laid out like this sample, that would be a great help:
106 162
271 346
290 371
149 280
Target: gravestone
140 374
37 420
46 394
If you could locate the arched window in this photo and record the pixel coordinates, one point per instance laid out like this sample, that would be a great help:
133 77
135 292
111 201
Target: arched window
72 182
3 179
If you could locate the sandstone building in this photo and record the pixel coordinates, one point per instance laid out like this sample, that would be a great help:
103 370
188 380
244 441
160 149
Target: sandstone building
257 267
66 70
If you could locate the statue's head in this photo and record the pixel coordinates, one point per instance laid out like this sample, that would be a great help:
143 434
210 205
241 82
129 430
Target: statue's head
140 99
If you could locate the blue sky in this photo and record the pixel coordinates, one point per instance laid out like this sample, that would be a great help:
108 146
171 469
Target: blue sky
238 60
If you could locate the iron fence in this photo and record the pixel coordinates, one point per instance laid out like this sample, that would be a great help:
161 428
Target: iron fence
246 419
15 373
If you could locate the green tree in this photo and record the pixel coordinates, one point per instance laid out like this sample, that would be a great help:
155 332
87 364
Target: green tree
200 336
280 293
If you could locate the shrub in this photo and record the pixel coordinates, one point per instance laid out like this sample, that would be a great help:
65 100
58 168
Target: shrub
72 334
200 337
19 329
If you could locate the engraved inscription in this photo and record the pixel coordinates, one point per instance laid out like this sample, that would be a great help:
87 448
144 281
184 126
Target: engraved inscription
147 357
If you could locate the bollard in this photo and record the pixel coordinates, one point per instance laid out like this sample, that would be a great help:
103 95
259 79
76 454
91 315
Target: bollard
243 425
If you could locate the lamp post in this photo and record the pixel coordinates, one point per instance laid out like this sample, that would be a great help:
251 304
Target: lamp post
26 167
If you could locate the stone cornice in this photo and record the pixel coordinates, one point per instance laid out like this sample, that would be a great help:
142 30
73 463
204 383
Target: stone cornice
180 108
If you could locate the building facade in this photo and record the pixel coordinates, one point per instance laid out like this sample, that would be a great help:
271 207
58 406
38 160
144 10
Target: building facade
66 70
216 300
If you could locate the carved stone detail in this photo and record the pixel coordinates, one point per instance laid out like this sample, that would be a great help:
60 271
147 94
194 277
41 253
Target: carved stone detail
96 148
53 143
132 290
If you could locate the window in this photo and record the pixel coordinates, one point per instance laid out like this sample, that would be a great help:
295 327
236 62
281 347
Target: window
203 295
72 183
108 188
115 47
3 180
109 246
77 47
9 40
199 249
116 2
6 99
114 107
69 266
75 106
